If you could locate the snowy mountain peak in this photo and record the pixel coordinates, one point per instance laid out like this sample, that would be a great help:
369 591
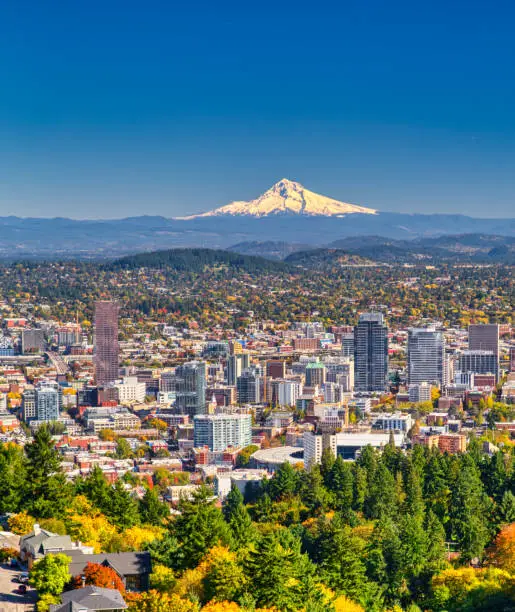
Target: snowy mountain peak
287 197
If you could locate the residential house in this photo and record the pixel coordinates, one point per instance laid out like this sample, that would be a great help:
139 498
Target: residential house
90 599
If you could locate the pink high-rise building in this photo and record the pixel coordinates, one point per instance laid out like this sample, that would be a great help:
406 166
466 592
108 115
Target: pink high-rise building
106 342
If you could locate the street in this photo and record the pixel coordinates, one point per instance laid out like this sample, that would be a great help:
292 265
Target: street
10 600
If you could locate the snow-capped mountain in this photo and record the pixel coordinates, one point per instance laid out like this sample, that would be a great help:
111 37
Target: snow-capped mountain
287 197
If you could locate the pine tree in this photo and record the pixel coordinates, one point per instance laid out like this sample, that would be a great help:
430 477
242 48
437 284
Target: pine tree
13 480
122 508
381 498
341 483
283 483
468 511
360 487
151 509
342 564
47 493
198 527
238 518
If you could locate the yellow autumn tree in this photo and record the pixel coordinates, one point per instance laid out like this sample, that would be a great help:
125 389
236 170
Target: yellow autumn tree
21 523
138 538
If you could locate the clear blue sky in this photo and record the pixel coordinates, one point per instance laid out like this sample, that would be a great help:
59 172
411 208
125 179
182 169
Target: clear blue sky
110 109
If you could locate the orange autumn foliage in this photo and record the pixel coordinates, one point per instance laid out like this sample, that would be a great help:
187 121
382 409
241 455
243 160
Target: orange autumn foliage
99 575
503 554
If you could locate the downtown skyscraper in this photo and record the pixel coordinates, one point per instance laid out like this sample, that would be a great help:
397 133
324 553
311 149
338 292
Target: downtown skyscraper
106 343
370 353
426 356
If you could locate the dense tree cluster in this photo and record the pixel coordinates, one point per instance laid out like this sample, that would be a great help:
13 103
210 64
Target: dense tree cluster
215 292
416 530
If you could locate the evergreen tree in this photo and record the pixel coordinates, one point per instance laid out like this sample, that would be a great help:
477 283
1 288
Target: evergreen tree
13 479
122 508
96 488
47 492
198 527
506 509
312 491
468 511
360 487
381 498
238 518
413 502
326 462
341 484
342 564
280 575
151 509
283 483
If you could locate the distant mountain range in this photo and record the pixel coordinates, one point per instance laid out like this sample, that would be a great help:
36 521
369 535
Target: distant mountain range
464 248
286 214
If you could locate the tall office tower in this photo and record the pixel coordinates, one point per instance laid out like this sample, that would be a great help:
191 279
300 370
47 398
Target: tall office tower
248 387
106 342
276 368
315 374
28 404
167 382
32 340
190 388
348 344
485 338
370 353
426 356
219 431
42 402
235 366
48 401
478 362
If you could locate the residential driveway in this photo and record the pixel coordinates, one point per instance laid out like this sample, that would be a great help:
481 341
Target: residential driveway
10 600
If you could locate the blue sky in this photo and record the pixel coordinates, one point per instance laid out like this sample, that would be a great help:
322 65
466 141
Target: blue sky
111 109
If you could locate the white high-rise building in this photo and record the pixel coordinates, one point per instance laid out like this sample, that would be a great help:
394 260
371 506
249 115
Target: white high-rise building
289 392
219 431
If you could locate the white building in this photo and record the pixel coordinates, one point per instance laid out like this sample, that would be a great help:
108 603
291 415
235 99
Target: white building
288 392
219 431
392 422
419 393
345 445
130 391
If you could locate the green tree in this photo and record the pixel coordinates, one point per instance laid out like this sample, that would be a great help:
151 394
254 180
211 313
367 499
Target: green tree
283 483
340 482
342 561
12 477
238 518
51 574
468 511
123 449
46 493
198 527
122 508
381 498
279 574
152 510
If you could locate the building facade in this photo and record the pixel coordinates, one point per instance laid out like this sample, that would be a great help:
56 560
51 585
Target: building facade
106 343
190 388
219 431
370 353
426 356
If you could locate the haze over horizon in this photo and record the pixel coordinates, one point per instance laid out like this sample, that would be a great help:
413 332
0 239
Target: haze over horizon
120 110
